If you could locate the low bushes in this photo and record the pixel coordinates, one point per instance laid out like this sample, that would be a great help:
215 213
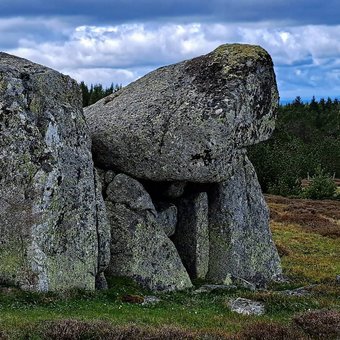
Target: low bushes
322 324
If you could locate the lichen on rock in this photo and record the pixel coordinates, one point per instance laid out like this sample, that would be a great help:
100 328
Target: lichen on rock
140 248
171 168
186 122
49 220
187 125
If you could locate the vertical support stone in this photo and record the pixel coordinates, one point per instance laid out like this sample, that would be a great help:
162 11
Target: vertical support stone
192 235
241 243
140 248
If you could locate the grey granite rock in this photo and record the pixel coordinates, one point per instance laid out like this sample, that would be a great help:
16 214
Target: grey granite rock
188 121
50 212
192 234
167 218
240 239
126 190
246 306
109 176
175 189
300 292
140 248
151 300
337 279
103 234
208 288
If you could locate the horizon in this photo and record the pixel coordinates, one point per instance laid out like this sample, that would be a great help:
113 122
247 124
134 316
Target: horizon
105 42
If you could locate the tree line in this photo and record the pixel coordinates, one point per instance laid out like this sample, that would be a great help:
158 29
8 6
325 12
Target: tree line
96 92
305 143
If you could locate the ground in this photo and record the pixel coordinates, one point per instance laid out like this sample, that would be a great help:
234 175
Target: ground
307 234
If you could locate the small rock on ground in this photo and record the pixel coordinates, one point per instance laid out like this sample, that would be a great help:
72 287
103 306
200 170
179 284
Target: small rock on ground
301 291
210 288
337 280
150 300
246 306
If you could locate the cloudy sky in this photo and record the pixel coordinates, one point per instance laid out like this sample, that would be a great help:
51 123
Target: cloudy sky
103 41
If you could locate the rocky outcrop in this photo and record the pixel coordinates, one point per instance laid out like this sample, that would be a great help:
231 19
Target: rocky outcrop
182 131
53 229
240 239
185 126
140 247
178 195
188 121
246 306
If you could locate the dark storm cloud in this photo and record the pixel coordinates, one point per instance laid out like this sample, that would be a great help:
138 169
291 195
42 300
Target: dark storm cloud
106 11
15 29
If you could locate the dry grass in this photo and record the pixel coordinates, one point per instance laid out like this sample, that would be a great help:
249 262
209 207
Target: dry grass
78 330
132 298
307 235
271 331
3 335
322 324
311 258
282 250
321 217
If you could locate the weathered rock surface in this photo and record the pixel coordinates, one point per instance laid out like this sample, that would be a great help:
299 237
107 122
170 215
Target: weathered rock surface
192 234
151 300
167 218
301 291
175 189
337 279
246 306
240 239
52 219
103 234
208 288
140 248
189 121
128 191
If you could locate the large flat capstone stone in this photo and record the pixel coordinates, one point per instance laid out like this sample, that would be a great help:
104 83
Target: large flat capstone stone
188 121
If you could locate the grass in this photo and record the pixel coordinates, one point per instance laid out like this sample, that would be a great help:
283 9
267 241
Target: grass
307 233
310 255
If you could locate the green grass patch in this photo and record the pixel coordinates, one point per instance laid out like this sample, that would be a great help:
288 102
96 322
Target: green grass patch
307 257
311 258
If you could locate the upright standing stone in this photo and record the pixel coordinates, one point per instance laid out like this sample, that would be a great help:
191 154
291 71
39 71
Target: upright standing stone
103 234
241 243
192 236
167 218
50 212
140 248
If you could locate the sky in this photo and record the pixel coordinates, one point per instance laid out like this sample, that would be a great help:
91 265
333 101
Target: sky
102 41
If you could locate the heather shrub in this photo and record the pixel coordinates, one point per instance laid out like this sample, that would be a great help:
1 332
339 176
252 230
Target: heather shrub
82 330
271 331
322 324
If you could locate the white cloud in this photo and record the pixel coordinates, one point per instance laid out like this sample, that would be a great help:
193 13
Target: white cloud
307 55
103 75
